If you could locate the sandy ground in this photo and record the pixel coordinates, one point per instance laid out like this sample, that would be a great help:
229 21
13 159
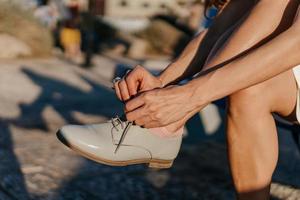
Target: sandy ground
39 96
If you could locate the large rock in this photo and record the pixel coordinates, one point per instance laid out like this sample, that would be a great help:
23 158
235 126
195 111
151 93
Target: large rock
21 24
138 49
163 37
12 47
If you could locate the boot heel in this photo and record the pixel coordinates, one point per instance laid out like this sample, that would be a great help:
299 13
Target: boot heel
160 164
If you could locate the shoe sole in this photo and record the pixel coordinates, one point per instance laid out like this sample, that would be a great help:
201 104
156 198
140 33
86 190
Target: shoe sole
152 163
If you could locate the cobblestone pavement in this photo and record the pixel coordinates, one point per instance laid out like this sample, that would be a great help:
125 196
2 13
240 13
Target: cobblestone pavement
39 96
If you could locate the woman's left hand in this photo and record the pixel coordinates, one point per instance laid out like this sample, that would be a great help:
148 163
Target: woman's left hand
160 107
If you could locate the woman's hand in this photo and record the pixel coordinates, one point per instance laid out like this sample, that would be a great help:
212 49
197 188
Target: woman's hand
136 81
162 107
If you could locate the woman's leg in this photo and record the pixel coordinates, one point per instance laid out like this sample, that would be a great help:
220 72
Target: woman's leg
251 133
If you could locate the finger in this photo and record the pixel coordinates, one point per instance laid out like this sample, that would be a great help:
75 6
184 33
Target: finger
127 72
134 103
143 120
136 114
124 90
117 90
140 122
133 80
115 80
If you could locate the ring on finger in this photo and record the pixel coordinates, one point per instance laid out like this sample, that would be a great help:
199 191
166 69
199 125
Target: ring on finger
115 80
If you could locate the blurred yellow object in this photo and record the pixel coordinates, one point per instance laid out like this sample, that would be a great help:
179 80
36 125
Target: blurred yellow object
69 37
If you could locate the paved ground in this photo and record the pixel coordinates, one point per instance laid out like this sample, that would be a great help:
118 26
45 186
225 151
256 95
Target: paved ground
39 96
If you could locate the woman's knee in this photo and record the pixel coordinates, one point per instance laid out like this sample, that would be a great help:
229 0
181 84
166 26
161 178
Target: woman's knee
276 95
248 102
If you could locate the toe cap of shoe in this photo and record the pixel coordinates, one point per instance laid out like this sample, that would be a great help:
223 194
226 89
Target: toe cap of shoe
86 138
80 136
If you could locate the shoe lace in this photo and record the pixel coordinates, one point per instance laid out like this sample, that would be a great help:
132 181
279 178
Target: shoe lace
116 122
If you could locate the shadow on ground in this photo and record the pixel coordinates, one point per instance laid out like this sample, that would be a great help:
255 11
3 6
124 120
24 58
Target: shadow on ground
12 185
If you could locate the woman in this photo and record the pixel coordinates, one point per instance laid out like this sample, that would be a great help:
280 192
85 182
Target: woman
249 55
70 36
258 84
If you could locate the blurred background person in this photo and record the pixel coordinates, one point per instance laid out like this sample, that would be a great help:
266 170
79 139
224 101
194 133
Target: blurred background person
47 13
70 35
89 33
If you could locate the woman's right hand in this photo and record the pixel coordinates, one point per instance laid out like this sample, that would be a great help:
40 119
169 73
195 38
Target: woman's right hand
136 81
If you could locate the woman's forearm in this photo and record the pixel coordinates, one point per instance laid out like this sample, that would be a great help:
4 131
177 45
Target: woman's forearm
194 56
267 20
275 57
177 68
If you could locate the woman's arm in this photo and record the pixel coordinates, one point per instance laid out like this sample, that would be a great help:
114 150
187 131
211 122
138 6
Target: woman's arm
267 20
178 66
190 61
275 57
195 54
164 106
